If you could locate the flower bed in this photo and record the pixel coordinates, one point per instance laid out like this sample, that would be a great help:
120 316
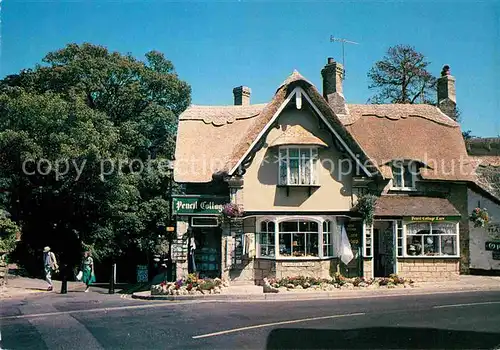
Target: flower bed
192 285
338 282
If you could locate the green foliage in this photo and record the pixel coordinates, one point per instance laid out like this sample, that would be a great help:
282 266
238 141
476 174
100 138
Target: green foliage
88 111
8 233
402 77
366 207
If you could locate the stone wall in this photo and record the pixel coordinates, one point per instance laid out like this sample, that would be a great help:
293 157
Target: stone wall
426 270
367 268
280 269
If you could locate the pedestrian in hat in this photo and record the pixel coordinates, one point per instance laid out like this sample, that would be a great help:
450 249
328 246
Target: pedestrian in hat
50 265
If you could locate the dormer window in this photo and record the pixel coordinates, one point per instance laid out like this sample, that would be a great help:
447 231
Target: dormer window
298 166
404 175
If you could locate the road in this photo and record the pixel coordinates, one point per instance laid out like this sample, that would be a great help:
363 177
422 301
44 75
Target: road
99 321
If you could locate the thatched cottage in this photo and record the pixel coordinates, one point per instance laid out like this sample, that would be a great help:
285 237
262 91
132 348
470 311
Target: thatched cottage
304 169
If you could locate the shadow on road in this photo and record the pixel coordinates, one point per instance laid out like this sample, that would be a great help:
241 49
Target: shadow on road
380 338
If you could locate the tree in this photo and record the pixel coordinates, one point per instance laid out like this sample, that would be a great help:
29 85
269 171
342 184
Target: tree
89 111
402 77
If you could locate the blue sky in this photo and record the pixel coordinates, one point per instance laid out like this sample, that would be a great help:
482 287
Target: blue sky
216 45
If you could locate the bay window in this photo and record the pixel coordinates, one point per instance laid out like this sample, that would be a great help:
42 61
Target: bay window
295 238
432 239
298 166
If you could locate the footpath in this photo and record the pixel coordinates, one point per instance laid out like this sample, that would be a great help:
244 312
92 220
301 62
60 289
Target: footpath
466 283
18 286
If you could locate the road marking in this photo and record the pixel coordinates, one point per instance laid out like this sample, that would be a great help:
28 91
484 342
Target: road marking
470 304
104 309
274 324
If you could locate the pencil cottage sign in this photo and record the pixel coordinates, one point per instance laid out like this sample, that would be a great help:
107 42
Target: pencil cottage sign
198 205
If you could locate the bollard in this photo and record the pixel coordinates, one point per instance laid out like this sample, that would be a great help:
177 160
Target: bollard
64 279
112 280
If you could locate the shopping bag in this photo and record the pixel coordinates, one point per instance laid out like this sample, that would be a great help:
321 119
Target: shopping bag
79 276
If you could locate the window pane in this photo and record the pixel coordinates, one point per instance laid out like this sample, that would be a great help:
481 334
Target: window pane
408 177
414 245
326 238
305 153
263 226
397 176
312 244
412 229
270 227
305 171
294 171
308 226
299 244
293 152
283 152
326 226
285 244
431 245
449 245
445 227
283 171
289 226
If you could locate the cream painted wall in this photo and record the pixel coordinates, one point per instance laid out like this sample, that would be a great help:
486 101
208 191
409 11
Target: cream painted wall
260 189
480 258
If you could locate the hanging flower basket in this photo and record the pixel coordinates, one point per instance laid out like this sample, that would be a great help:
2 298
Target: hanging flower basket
479 217
231 211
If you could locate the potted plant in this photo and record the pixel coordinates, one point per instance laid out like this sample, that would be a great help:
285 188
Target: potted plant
366 207
479 217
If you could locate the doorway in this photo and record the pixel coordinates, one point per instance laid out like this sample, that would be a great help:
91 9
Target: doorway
383 248
205 259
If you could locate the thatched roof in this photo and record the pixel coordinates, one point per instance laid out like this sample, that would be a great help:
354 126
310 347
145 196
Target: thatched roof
397 205
411 132
213 139
297 135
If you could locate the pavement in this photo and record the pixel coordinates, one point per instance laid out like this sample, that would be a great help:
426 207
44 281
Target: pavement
459 320
18 287
252 292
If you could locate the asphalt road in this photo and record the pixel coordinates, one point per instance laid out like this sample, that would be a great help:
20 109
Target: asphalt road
99 321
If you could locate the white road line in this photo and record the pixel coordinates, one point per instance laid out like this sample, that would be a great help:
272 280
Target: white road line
104 309
470 304
273 324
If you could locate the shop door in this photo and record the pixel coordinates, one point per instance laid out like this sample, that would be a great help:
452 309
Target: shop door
383 252
207 255
354 268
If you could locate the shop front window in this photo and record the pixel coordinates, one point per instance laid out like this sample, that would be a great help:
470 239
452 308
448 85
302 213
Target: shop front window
266 239
296 239
431 239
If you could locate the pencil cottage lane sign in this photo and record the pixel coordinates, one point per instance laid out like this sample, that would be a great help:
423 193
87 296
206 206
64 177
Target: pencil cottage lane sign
198 205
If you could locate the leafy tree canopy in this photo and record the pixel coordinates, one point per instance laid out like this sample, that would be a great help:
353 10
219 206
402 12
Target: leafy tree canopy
402 77
83 141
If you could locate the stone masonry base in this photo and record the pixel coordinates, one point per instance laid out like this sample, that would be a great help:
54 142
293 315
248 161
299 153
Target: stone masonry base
424 270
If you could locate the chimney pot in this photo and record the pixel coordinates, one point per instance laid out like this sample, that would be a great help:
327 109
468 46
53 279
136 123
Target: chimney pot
446 94
332 75
242 95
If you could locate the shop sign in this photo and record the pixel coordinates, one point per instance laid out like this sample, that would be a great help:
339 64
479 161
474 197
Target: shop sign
198 205
298 264
494 231
432 218
493 246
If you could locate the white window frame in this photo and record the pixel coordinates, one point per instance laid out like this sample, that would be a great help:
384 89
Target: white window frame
205 217
402 166
279 219
367 240
314 178
422 256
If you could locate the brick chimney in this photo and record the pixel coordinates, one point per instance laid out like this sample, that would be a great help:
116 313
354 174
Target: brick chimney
446 95
242 95
333 74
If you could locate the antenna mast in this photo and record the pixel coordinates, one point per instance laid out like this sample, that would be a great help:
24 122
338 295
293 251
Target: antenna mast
343 41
